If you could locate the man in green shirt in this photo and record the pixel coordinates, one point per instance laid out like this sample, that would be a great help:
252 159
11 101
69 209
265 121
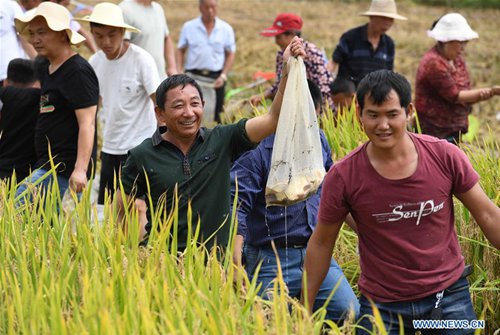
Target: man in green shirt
193 163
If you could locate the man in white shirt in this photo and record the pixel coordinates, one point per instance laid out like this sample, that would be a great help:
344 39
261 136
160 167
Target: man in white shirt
127 80
149 17
206 48
12 44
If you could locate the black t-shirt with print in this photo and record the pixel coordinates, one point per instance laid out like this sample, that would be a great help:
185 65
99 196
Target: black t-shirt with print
72 86
18 114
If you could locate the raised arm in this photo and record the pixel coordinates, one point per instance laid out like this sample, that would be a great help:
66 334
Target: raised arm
262 126
484 211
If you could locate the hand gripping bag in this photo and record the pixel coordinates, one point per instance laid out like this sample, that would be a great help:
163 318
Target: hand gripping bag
297 168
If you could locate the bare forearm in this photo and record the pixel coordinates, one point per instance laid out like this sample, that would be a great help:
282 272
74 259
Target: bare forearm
28 48
262 126
180 59
489 221
228 62
85 145
485 212
169 54
238 249
317 263
475 95
318 258
89 40
278 97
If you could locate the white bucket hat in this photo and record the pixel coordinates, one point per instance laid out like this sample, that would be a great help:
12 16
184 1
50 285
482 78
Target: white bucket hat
57 17
385 8
108 14
452 27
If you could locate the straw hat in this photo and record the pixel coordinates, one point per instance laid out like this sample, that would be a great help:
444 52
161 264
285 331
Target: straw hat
57 17
452 27
108 14
385 8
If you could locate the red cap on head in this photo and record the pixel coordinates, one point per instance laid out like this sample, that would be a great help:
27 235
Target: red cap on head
282 23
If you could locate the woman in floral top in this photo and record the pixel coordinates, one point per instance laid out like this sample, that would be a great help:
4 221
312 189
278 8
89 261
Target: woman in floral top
285 27
443 93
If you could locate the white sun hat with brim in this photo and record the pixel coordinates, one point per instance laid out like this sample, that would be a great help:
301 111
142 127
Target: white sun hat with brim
385 8
57 17
108 14
452 27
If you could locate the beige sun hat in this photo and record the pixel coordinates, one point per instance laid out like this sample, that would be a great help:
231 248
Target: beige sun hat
58 19
452 27
385 8
108 14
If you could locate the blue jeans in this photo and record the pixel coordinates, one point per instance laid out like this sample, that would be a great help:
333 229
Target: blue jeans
456 305
292 266
62 182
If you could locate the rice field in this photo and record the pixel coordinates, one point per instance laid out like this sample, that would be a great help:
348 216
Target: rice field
65 272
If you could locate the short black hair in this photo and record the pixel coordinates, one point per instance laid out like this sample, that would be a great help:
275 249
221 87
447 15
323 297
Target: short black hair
96 25
379 84
315 94
21 71
171 83
100 25
342 85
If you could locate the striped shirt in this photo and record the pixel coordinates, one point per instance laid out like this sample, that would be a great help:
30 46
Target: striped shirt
356 56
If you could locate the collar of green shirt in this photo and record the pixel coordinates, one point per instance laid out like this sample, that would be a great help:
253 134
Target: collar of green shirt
157 138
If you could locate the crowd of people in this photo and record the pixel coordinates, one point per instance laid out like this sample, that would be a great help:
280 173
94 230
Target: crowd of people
395 191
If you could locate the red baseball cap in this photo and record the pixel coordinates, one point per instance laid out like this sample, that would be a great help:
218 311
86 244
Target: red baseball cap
282 23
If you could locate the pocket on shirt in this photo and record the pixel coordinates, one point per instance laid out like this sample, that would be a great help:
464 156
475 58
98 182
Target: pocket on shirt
130 88
217 45
206 159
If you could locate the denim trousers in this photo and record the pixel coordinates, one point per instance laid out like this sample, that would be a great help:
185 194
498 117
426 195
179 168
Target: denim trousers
62 182
456 304
292 267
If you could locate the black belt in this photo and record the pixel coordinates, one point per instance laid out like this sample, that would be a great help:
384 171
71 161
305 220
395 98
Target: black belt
205 73
280 244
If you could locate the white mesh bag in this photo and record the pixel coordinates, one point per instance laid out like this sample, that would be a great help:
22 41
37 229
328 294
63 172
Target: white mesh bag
297 168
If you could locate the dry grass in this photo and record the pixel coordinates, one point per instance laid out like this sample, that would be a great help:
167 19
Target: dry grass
324 23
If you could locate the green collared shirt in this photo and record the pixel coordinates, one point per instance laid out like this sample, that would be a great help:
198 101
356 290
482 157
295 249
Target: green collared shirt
202 177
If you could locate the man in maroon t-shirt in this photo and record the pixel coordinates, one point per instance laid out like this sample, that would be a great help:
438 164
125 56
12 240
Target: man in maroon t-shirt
399 189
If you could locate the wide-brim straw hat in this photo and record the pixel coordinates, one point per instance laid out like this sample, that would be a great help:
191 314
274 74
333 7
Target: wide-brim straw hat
452 27
108 14
385 8
57 17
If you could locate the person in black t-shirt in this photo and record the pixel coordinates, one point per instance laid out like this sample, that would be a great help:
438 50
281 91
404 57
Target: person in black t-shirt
65 128
19 106
367 48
